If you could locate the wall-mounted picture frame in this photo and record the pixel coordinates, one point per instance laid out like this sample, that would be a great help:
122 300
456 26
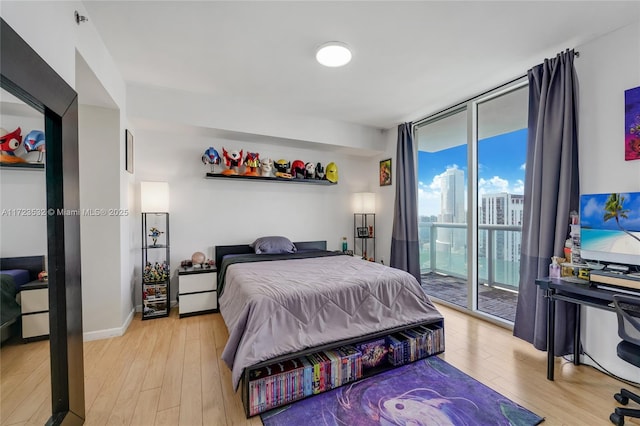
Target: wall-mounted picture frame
632 124
128 140
385 172
363 232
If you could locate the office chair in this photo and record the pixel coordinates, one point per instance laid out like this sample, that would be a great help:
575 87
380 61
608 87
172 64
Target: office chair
628 310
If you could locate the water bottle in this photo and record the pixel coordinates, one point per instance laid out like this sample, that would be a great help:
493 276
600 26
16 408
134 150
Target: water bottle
344 243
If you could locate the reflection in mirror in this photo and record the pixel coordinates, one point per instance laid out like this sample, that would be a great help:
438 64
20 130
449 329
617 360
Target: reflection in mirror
25 375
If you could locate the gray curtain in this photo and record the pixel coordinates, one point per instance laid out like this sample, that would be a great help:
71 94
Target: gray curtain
551 192
405 252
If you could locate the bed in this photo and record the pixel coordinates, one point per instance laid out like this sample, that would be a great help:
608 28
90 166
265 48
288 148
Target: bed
277 304
14 273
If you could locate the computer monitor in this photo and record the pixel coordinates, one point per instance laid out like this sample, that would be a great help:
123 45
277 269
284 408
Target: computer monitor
610 227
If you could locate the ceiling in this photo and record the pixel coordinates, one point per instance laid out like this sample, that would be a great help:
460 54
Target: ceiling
410 59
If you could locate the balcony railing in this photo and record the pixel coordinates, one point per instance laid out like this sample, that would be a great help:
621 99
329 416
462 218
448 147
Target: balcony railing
443 249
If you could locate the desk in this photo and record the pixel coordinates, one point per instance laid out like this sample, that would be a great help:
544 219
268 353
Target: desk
580 294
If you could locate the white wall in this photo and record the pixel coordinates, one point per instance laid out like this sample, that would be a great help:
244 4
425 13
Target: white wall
100 229
209 212
606 68
386 197
23 195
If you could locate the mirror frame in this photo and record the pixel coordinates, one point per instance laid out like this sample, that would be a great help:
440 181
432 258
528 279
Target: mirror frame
27 76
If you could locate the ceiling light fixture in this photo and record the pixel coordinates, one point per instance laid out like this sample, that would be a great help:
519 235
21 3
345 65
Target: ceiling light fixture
333 54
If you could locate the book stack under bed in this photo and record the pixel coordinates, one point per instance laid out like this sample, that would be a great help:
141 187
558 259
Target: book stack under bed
293 379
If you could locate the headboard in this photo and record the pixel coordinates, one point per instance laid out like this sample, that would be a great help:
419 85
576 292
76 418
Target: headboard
221 251
33 264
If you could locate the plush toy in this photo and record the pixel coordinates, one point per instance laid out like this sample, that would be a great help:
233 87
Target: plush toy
282 169
297 169
9 142
34 141
212 157
266 166
232 160
252 162
332 172
309 171
319 171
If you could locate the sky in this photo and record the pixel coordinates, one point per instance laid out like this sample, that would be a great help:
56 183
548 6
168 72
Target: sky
501 168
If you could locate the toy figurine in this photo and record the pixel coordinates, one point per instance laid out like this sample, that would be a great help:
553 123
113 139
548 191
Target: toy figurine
34 141
309 171
297 169
319 171
154 234
252 162
9 142
267 167
282 169
212 157
332 172
232 160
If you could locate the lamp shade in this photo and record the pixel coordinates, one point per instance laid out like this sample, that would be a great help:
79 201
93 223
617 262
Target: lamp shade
364 202
154 197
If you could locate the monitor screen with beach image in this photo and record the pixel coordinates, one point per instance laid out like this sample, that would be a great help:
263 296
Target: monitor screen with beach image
610 227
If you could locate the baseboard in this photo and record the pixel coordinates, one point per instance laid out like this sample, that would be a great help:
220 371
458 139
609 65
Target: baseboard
111 332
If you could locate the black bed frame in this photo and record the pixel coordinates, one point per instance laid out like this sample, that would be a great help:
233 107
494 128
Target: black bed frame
33 264
221 251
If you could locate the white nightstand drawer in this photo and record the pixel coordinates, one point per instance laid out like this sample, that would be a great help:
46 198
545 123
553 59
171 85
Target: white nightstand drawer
197 302
193 283
34 325
34 301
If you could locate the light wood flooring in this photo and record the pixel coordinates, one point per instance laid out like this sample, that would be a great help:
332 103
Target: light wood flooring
169 372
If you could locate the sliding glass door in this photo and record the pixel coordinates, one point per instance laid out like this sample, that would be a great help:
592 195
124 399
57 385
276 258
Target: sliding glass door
471 180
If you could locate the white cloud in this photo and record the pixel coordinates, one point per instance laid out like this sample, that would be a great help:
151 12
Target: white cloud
592 208
523 166
495 184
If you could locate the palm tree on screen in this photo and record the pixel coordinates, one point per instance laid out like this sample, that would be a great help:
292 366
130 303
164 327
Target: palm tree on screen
614 210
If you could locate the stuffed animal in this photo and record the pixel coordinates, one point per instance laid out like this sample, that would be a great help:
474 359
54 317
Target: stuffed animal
266 166
9 142
252 162
297 169
212 157
309 171
232 160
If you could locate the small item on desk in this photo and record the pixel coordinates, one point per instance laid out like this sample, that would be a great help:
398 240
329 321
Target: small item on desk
554 268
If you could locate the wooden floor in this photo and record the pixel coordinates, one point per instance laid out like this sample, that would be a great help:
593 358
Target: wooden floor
168 372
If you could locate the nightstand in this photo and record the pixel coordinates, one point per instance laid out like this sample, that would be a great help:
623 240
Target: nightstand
34 305
197 291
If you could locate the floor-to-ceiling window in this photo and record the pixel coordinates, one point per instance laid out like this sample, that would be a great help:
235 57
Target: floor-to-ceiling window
470 180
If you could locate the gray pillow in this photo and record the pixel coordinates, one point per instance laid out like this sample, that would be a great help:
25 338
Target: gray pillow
269 245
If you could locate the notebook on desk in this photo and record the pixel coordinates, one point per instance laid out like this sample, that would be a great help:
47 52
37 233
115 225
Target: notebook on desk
617 279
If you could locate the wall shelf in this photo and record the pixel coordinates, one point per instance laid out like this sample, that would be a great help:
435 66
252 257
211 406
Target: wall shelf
22 165
269 179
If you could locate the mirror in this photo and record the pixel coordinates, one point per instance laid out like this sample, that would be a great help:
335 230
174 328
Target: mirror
24 301
26 76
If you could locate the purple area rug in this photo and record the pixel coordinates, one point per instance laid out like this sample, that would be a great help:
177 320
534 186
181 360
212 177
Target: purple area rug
427 392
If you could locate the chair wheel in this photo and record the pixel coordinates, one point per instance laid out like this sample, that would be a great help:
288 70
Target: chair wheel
621 399
616 419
